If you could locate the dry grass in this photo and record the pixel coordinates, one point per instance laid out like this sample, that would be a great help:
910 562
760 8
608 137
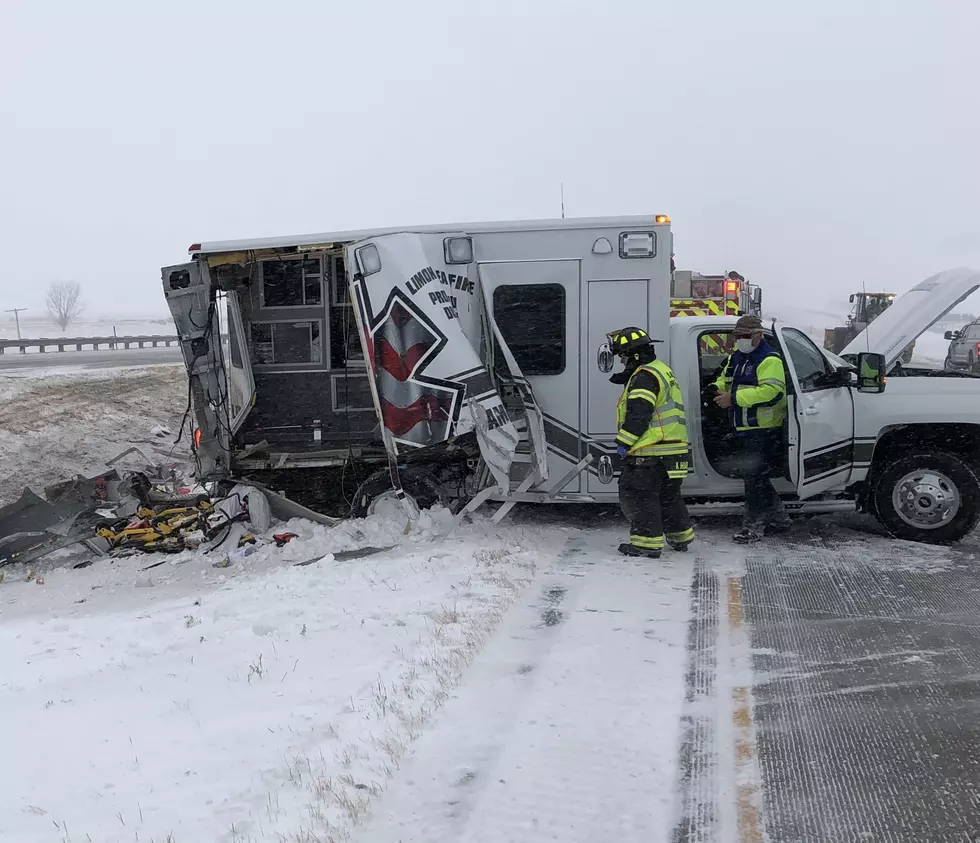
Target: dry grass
63 425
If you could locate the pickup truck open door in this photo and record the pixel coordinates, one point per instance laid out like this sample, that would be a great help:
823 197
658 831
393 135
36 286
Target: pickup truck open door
820 416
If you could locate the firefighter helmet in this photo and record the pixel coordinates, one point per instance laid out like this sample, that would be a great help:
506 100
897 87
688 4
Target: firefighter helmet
628 340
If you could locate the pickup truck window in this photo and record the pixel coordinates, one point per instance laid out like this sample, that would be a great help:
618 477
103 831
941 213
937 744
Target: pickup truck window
806 358
713 350
973 333
532 319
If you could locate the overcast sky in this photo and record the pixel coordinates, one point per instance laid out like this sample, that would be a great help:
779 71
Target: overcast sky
808 145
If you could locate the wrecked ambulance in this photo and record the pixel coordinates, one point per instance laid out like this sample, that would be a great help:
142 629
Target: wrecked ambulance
468 362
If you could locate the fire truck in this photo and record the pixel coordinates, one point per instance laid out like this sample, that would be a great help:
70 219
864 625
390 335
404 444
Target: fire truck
694 294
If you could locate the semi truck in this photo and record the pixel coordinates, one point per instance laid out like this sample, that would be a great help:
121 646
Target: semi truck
468 364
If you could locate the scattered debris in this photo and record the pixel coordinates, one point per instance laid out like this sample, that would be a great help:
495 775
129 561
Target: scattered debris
152 507
282 539
344 555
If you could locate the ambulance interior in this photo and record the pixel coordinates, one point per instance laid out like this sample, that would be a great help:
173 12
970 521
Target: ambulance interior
303 348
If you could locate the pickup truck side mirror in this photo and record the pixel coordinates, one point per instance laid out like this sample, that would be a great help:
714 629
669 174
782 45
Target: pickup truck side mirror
949 335
871 372
605 358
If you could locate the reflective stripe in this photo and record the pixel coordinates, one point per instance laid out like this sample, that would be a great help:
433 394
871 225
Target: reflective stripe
645 394
647 542
772 382
628 437
684 536
666 449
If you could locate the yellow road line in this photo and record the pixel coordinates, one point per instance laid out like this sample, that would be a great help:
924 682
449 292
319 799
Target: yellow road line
746 789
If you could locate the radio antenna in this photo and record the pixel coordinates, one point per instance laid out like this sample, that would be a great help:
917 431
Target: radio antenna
563 200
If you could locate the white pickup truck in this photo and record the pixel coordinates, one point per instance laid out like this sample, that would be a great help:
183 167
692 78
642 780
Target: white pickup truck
474 370
904 447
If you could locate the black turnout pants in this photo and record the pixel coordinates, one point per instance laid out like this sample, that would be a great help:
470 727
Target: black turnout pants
652 502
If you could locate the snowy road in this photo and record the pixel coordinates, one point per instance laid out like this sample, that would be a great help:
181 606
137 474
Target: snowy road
516 682
565 727
795 692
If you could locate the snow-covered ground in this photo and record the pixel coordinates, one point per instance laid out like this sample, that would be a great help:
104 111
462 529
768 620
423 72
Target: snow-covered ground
264 701
54 424
480 682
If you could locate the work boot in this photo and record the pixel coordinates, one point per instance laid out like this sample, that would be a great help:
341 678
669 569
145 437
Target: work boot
747 535
781 525
628 549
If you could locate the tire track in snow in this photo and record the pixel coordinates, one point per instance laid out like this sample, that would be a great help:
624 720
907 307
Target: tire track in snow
698 785
566 725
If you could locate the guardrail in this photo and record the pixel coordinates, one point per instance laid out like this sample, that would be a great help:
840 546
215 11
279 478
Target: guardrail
78 343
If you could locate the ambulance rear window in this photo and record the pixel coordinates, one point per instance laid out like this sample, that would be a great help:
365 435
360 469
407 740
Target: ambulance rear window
532 319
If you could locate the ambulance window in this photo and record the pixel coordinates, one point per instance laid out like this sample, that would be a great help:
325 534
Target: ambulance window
531 318
292 282
286 343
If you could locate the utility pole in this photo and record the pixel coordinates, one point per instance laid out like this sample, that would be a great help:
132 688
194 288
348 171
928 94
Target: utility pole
16 311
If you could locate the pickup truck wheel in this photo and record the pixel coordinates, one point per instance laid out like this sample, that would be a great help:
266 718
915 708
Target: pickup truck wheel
375 495
947 363
930 497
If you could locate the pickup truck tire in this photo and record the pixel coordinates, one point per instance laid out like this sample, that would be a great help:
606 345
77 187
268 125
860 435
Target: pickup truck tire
947 363
417 484
931 497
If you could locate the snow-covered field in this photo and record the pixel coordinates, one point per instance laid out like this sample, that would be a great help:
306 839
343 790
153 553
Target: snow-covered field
263 701
54 425
84 326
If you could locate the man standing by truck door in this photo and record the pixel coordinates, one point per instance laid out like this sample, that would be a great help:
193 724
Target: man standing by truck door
752 384
652 444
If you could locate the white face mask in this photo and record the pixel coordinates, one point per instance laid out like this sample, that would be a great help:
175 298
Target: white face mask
744 344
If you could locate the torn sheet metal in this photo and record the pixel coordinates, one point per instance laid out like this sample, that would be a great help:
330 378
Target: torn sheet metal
419 323
32 522
283 508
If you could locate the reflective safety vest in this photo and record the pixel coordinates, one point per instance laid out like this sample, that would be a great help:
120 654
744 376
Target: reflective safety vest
757 382
666 434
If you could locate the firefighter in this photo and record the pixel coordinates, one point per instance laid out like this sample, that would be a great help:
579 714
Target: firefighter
652 445
752 385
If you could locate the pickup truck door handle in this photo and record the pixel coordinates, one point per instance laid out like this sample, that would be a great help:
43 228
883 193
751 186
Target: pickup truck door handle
811 411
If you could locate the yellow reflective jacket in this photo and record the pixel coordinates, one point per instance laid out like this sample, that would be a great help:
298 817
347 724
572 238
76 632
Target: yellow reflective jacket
757 382
650 414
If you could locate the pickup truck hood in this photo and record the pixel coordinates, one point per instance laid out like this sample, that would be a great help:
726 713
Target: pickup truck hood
914 312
